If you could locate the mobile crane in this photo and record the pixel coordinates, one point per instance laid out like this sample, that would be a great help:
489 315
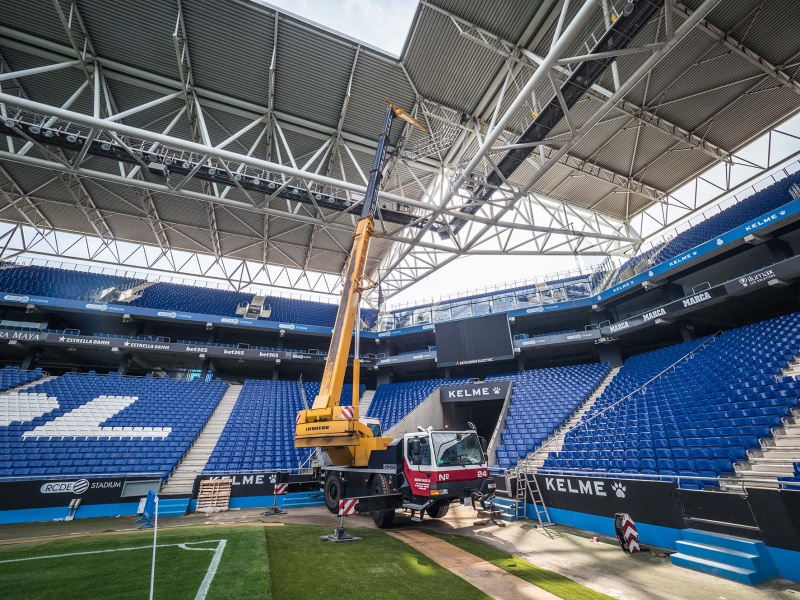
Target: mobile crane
423 472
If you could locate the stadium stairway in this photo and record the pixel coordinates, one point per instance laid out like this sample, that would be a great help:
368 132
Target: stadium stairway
556 440
182 479
776 457
134 293
742 560
25 386
365 401
793 368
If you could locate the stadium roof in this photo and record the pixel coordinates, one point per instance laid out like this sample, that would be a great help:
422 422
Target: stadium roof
247 90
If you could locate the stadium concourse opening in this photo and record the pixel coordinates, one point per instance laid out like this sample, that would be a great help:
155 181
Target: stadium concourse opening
210 294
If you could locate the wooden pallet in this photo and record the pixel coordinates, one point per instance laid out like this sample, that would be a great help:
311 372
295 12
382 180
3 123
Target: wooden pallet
214 495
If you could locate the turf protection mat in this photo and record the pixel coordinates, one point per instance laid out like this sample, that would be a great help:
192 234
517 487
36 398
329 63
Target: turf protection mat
203 564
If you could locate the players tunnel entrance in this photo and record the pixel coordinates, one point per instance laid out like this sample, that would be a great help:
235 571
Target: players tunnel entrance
484 415
479 402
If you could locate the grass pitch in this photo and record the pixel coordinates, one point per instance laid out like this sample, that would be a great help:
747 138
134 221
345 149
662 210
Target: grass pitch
256 562
251 561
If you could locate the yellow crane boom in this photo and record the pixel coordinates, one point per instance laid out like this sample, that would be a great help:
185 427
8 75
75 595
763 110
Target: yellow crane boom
326 424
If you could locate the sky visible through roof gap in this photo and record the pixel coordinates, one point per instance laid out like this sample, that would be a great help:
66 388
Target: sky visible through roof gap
379 23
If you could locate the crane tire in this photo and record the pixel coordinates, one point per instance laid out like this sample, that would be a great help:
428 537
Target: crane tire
332 491
382 518
438 511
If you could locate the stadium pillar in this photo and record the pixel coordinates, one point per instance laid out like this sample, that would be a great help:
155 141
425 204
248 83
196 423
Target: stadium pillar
610 353
29 362
520 362
780 250
204 368
124 364
687 332
672 292
384 378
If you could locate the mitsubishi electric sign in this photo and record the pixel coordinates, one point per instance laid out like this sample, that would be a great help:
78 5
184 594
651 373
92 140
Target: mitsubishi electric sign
475 392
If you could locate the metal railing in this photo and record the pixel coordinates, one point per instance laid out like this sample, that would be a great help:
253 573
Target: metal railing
153 277
730 484
583 423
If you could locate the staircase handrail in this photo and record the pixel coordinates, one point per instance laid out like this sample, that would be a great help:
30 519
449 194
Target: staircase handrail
303 392
642 388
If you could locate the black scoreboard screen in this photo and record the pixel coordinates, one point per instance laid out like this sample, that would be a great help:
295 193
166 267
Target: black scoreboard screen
473 341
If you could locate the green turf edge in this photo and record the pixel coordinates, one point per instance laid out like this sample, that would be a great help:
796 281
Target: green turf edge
561 586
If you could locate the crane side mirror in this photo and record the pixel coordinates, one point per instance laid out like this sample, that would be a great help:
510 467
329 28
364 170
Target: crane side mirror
484 445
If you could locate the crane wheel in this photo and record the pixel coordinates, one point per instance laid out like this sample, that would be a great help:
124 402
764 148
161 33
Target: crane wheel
332 491
380 487
438 511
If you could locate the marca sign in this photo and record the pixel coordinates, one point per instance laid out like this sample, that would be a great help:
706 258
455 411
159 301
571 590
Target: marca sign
471 392
696 299
654 314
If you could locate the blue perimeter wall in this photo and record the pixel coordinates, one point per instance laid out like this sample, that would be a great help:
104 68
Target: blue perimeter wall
118 509
787 561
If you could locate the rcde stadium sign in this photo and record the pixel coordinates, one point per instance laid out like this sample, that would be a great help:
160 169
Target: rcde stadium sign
48 493
475 392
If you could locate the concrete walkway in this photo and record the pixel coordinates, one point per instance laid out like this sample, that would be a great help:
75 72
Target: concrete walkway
485 576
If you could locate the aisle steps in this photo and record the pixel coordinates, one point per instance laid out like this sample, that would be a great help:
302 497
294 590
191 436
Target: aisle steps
739 559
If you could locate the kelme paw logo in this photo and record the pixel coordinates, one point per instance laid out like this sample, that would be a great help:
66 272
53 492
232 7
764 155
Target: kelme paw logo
619 489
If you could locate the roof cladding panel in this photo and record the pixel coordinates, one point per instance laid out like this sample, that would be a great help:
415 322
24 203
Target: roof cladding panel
303 148
53 88
374 80
37 17
67 215
222 125
504 18
230 48
725 128
127 227
28 178
755 24
175 209
311 77
127 96
446 67
136 33
188 238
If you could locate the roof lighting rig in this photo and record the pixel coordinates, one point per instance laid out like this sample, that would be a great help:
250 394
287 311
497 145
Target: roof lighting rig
163 162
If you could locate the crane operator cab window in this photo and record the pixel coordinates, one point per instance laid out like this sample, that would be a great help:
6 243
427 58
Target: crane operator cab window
418 451
457 449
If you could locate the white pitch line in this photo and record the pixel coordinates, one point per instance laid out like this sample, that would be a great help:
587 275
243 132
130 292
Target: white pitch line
14 560
212 570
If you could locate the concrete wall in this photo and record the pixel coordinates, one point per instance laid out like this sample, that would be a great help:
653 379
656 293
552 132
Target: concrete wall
501 424
428 414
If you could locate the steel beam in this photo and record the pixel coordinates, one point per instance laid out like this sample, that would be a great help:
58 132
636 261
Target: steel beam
740 49
526 58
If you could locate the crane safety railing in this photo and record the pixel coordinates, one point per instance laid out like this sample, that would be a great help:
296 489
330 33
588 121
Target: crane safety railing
527 465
